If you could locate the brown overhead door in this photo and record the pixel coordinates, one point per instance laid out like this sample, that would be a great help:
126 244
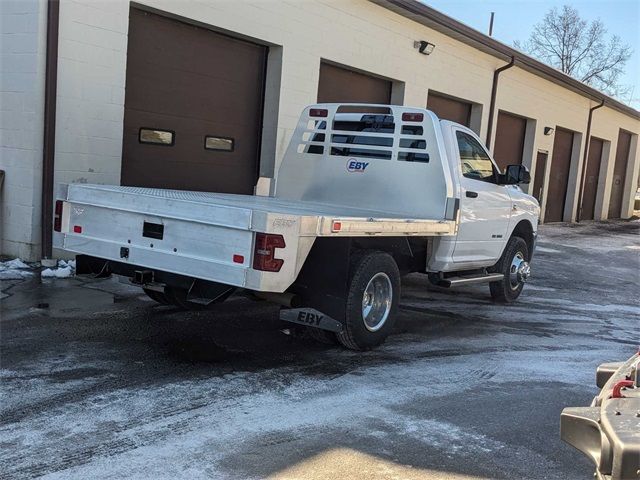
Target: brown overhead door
559 175
619 174
193 107
592 176
538 181
509 144
447 108
342 85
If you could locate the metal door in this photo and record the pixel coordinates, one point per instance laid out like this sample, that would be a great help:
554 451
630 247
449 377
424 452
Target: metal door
592 176
538 181
340 85
619 174
559 175
193 107
447 108
485 207
510 135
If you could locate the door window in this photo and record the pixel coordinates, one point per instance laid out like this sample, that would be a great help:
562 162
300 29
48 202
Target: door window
474 161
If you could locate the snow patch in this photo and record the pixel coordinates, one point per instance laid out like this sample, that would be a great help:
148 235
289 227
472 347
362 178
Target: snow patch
547 250
14 269
65 269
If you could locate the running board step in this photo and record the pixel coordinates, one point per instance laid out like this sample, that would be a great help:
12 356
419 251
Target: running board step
458 281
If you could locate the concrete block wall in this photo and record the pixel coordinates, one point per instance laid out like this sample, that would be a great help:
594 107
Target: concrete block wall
355 33
91 84
22 72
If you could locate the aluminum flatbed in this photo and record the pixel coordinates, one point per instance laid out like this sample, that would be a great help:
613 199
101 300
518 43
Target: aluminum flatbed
211 235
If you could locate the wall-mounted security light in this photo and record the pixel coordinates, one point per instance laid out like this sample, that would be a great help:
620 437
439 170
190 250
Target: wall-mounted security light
548 130
424 47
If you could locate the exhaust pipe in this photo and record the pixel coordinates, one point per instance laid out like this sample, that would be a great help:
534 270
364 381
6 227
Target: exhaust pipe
285 299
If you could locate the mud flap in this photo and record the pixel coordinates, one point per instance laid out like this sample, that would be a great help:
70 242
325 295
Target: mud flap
310 317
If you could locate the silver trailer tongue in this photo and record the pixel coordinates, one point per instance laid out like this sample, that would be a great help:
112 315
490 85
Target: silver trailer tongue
608 431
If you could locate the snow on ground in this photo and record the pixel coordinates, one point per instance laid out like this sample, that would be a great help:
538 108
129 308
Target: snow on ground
14 269
129 389
65 269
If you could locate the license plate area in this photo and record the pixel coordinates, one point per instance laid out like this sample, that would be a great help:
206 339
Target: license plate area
153 230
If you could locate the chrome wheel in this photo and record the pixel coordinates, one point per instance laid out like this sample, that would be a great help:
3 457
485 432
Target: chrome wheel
376 301
519 271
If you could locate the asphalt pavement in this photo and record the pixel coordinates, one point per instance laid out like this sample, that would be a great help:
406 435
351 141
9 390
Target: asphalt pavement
97 381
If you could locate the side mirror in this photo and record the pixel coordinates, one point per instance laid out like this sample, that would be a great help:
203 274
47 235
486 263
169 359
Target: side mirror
515 175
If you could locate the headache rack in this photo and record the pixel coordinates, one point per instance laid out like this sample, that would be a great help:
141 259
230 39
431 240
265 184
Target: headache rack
382 157
365 135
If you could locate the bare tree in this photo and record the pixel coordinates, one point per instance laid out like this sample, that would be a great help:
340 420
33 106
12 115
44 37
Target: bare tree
578 48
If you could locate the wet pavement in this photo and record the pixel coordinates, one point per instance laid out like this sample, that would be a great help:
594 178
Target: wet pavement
100 382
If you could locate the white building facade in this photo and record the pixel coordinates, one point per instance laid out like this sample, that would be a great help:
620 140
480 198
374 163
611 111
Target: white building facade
205 95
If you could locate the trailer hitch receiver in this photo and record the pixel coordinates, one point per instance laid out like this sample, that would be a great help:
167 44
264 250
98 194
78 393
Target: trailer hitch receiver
142 277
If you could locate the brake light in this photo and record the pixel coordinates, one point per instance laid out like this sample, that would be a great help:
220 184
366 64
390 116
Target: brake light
412 117
318 112
77 229
264 252
57 218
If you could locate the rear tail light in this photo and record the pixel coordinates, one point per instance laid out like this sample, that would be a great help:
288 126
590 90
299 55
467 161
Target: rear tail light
412 117
264 253
57 218
318 112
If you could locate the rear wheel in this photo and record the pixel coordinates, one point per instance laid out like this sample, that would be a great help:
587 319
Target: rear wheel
322 336
178 297
156 296
514 264
372 301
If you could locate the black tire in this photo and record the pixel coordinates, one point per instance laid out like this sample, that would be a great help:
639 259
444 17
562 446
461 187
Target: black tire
178 297
322 336
355 334
156 296
506 290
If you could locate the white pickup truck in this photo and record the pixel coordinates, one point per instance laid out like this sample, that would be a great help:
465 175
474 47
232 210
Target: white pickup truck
364 195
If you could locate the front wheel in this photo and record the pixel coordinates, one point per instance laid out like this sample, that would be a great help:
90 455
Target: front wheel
514 264
372 301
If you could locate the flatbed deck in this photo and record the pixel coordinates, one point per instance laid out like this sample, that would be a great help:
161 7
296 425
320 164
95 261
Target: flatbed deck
240 211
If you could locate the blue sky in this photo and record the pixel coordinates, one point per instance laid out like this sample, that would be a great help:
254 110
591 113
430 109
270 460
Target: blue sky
514 20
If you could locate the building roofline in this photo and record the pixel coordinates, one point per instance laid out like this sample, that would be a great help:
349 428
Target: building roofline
428 16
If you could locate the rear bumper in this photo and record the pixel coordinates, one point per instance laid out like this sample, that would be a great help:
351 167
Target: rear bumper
154 279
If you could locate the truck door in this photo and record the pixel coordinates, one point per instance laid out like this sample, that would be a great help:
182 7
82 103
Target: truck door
485 206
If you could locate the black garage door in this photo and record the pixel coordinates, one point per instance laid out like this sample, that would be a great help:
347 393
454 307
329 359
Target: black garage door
447 108
619 174
193 107
559 175
337 85
510 133
538 181
592 177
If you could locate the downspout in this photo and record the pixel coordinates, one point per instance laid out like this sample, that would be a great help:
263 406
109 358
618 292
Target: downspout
48 147
585 159
494 94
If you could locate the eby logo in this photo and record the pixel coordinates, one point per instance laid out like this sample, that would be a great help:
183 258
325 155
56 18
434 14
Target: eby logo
356 166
